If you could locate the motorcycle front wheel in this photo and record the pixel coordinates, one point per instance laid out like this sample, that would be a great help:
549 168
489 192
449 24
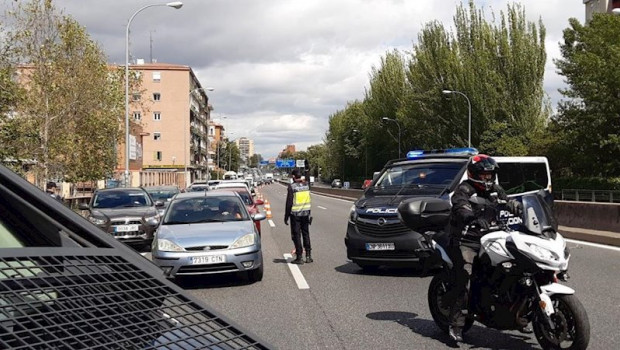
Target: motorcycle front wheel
571 325
438 304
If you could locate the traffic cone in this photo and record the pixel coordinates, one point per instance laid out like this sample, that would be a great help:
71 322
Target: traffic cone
267 208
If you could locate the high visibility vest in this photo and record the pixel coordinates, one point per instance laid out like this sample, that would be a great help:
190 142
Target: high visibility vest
301 199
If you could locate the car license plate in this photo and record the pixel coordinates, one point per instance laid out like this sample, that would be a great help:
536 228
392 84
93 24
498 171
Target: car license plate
209 259
380 246
126 228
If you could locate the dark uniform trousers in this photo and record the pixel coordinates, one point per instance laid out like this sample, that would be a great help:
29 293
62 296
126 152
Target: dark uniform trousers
300 229
463 255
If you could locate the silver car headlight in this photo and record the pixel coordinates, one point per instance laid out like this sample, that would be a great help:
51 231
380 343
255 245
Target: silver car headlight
542 253
97 221
165 245
244 241
353 214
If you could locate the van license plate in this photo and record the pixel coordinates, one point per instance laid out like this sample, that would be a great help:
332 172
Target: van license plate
380 246
209 259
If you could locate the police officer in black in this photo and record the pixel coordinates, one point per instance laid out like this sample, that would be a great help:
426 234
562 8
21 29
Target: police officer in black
469 222
298 206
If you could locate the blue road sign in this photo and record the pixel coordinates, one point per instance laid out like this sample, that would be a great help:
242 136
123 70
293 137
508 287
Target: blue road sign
264 162
285 163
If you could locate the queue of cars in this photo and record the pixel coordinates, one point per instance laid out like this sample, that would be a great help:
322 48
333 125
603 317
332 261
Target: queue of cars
185 229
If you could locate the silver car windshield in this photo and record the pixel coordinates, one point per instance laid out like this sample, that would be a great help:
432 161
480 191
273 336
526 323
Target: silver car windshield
205 209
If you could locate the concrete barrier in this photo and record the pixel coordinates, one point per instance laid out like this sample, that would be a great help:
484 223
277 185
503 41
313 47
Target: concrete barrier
588 215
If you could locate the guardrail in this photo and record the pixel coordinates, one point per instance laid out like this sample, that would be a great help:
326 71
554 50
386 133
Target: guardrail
607 196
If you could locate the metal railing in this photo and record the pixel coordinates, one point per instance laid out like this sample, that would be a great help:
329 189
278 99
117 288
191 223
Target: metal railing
609 196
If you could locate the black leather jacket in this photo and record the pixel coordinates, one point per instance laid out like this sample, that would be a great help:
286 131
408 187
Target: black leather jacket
463 211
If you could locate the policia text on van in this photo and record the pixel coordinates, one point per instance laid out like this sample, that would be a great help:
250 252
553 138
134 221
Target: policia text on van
375 236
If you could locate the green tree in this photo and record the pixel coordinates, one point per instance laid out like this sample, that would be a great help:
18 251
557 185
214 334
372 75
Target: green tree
255 160
70 116
498 66
588 123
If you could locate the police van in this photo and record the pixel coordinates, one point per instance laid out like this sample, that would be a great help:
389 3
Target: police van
375 236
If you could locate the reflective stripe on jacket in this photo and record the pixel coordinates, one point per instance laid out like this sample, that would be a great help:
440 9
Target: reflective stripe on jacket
301 199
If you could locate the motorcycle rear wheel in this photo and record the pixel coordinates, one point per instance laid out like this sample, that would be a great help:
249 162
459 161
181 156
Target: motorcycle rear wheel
440 285
571 322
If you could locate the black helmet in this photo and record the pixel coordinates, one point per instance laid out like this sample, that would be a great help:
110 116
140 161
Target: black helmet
478 170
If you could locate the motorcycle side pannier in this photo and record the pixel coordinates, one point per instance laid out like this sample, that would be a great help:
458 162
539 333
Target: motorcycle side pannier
425 213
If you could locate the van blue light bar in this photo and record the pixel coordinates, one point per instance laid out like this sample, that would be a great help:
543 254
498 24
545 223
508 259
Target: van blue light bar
456 151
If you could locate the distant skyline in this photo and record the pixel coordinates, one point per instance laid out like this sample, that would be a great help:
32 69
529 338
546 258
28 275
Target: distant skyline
280 68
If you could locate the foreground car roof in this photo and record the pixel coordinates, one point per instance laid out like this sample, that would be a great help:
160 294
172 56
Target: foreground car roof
64 285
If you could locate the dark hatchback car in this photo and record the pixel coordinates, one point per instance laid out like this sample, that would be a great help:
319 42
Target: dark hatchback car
64 285
128 214
164 194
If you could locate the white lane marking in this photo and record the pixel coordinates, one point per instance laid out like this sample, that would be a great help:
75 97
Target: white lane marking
594 245
320 207
271 223
297 275
144 253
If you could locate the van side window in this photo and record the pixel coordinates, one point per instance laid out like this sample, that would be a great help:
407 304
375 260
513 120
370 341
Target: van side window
522 177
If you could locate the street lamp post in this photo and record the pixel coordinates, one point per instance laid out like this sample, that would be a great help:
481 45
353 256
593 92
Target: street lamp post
175 5
449 92
397 123
185 145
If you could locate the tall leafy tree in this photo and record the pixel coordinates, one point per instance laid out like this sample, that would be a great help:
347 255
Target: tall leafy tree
588 123
498 66
71 115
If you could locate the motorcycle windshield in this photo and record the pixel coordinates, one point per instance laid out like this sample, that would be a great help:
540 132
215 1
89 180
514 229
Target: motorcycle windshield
538 218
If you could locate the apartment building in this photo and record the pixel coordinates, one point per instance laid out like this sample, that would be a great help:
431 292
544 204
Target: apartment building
216 135
246 148
600 6
174 112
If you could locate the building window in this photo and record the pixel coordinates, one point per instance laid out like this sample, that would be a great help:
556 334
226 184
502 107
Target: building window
135 96
158 155
156 115
156 96
156 136
137 116
156 77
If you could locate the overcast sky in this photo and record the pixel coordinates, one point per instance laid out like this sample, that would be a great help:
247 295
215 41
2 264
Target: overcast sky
281 67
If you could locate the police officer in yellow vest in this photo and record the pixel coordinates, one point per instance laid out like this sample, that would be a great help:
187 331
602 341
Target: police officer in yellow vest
298 210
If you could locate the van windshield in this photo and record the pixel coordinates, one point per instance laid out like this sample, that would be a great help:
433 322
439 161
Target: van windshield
522 177
415 177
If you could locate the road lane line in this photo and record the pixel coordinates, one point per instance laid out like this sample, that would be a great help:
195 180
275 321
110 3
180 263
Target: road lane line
320 207
297 275
271 223
594 244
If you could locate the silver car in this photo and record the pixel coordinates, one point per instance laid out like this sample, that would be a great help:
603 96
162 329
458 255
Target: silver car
208 233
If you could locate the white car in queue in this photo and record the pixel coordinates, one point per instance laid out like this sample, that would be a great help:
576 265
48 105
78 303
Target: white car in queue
208 232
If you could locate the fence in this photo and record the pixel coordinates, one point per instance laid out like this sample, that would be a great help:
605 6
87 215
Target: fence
609 196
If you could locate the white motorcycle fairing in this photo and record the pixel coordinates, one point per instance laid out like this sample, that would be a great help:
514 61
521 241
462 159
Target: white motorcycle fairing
547 253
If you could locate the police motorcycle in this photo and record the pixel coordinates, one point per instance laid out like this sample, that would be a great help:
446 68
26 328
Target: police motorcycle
515 278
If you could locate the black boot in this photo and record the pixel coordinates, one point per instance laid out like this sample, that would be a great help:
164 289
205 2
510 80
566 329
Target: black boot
309 257
298 260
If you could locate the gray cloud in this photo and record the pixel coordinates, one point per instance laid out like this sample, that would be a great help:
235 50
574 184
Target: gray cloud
281 67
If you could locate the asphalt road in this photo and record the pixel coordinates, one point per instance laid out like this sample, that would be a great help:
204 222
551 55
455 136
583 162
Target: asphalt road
344 308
